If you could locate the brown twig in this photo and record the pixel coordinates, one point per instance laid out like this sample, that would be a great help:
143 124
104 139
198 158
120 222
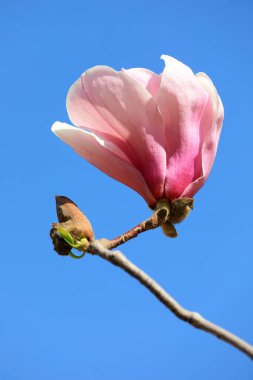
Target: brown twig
159 217
165 215
193 318
74 230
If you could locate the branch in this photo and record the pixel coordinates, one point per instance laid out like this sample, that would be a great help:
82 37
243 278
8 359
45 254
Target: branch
75 231
165 215
193 318
159 217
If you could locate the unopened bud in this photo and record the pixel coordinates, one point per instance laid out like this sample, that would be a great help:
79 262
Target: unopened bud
73 230
169 229
180 209
72 219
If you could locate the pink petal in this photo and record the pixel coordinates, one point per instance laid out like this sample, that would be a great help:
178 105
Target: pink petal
182 101
82 112
208 85
105 156
211 140
146 78
128 112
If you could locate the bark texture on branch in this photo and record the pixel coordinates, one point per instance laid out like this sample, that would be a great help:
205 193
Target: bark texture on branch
74 231
193 318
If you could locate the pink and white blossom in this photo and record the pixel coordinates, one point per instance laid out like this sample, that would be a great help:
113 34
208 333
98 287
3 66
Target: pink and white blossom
157 134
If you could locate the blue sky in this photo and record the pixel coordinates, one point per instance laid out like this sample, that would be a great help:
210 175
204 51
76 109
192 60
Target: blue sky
65 319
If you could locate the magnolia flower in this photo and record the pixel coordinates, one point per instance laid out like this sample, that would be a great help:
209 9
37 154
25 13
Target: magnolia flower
157 134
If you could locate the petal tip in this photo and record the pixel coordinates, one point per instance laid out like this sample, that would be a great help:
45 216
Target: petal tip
164 57
55 127
58 127
167 58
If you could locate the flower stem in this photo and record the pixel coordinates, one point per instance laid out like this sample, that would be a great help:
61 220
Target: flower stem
160 216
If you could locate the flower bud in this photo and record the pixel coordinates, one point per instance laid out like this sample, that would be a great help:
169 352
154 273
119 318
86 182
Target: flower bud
180 209
169 229
72 219
73 230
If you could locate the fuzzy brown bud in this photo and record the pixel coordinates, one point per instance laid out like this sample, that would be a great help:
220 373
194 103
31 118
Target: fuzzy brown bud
60 245
180 209
169 229
73 229
72 219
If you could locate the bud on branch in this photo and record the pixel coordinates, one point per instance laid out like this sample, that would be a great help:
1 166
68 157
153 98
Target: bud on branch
73 230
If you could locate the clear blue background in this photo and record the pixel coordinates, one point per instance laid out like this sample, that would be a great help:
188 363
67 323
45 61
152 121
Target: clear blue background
67 319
